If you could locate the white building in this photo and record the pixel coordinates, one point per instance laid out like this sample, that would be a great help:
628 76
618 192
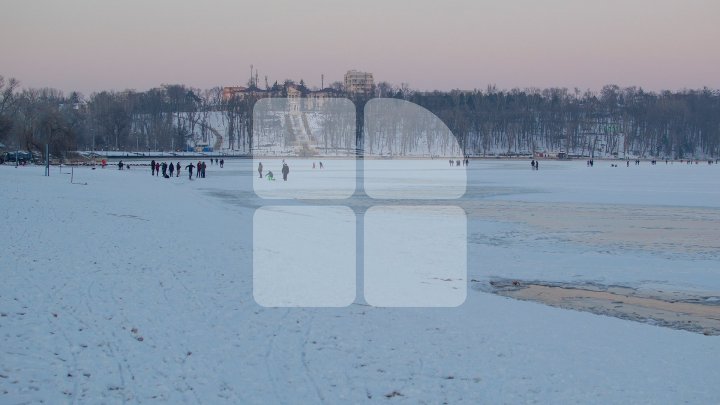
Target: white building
359 82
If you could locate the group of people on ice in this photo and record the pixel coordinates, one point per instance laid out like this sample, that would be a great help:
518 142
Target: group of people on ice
201 166
271 177
220 162
535 164
167 170
464 162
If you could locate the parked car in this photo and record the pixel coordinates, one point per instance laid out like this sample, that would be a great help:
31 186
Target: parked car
22 157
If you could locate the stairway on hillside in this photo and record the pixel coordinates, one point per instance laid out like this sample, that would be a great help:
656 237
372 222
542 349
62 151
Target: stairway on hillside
306 125
298 127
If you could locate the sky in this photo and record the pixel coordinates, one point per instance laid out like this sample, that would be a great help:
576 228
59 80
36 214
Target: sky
94 45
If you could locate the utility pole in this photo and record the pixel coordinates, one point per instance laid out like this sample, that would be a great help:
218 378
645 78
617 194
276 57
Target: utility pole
47 160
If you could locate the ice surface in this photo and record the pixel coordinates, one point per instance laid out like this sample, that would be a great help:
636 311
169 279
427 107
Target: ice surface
406 266
413 179
306 179
285 274
132 288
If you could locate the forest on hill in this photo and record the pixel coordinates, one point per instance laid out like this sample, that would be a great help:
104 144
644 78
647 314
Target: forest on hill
614 121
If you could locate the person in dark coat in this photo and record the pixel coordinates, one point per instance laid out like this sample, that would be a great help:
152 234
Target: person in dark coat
190 168
222 163
171 168
120 165
177 169
152 167
285 171
202 168
260 169
164 169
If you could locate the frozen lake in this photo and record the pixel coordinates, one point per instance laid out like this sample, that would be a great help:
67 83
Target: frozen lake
646 225
125 287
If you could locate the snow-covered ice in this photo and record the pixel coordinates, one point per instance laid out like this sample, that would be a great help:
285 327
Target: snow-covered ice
125 287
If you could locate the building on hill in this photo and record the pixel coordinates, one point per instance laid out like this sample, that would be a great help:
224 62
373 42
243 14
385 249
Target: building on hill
232 91
242 92
294 92
359 82
317 98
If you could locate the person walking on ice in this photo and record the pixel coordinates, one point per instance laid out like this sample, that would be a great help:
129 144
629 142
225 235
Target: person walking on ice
171 168
285 171
190 168
177 169
260 169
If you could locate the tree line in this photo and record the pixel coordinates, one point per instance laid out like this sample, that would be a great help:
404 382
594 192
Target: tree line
672 124
622 121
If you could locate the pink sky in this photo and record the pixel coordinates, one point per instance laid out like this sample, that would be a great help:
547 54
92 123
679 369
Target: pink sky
91 45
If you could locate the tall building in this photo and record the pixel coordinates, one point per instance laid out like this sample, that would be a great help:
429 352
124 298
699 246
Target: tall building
358 82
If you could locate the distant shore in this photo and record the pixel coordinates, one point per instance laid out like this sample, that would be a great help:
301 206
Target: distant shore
89 158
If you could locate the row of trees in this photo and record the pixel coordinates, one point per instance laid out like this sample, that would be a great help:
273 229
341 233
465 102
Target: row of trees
169 117
624 120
